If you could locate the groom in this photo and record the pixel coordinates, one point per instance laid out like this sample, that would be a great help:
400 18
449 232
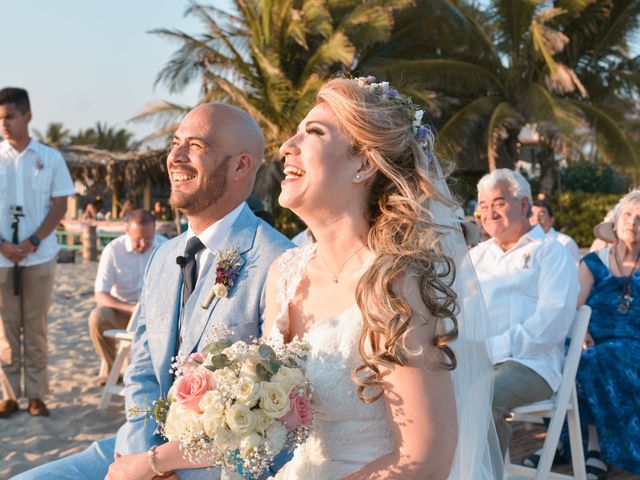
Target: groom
212 167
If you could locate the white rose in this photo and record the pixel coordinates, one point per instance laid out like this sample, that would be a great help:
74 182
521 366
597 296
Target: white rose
240 419
276 436
226 440
263 421
288 378
249 443
248 392
212 401
212 422
188 421
274 400
220 290
171 424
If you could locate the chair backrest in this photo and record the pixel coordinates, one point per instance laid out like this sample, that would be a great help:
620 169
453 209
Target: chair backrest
133 315
576 334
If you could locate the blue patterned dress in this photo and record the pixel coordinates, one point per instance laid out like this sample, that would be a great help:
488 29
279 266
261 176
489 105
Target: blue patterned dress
609 373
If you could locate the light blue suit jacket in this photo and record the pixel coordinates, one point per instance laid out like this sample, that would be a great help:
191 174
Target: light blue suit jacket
156 324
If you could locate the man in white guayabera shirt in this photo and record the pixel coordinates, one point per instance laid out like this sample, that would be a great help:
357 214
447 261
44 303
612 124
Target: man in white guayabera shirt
530 284
119 283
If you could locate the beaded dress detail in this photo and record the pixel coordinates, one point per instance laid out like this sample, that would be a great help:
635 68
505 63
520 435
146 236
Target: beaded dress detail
347 433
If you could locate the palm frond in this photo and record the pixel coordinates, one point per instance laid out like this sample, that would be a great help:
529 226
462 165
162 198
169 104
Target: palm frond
504 117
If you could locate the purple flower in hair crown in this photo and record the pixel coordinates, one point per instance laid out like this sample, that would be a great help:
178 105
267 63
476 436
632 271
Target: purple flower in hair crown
414 114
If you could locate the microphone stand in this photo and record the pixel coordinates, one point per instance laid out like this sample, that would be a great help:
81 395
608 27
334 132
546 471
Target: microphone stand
16 267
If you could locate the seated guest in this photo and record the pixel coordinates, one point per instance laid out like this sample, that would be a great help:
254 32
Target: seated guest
543 216
530 285
119 283
604 233
127 208
608 377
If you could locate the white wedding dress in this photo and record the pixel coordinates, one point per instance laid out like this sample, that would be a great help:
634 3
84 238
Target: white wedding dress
347 433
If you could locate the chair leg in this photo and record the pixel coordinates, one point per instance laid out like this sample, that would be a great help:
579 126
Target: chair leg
550 445
575 439
112 380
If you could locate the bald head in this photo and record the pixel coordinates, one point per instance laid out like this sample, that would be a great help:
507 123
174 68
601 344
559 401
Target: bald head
215 155
235 130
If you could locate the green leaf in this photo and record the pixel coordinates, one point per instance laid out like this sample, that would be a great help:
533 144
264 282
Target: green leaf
218 362
266 352
217 347
263 373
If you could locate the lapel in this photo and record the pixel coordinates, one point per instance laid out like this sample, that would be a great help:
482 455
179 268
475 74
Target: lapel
196 319
162 315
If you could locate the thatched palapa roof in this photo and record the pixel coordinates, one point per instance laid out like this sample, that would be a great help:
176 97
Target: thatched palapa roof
133 169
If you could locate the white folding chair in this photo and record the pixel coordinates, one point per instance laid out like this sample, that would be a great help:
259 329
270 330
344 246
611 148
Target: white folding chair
123 340
564 404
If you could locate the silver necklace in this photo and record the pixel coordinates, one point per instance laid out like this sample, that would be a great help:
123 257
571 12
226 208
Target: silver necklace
334 276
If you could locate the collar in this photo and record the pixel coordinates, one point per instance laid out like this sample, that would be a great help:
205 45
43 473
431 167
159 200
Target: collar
5 146
534 234
214 235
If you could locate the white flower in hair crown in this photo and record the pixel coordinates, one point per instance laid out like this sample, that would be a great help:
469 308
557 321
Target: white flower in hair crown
387 92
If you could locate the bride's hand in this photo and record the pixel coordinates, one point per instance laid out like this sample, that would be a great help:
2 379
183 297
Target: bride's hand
131 467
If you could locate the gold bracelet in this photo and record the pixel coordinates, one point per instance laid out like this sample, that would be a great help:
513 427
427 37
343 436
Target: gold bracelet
152 462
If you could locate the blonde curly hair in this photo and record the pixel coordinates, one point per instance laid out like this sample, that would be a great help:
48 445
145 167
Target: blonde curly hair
403 234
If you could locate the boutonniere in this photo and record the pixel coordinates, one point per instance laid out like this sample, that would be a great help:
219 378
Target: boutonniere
227 271
525 261
39 166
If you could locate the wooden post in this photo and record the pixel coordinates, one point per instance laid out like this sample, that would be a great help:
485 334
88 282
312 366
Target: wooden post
89 245
72 207
114 204
146 200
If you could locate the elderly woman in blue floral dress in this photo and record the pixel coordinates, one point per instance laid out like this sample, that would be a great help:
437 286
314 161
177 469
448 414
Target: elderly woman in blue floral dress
609 374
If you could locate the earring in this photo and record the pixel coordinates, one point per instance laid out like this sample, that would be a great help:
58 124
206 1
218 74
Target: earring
358 177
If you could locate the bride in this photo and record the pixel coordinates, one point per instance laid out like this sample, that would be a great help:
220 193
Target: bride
378 299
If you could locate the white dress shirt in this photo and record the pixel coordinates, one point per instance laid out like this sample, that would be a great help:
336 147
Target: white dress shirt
31 178
121 269
213 236
567 242
531 292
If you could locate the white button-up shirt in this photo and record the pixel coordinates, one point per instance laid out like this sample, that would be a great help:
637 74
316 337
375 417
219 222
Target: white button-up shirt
567 242
30 179
121 268
531 292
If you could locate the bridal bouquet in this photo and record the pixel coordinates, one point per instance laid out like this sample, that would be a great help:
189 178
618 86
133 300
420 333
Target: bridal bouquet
237 405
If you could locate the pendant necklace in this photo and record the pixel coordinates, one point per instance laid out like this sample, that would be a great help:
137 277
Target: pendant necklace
626 299
334 276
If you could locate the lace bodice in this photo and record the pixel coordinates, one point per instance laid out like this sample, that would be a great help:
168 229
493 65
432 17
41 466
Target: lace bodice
347 433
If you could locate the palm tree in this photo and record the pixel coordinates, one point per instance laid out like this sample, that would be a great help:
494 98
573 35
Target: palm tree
271 56
55 135
489 71
104 137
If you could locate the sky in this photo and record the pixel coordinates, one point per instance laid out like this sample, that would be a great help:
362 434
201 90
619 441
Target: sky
84 61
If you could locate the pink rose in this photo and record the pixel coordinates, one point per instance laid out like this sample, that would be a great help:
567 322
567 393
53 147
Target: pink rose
299 412
189 389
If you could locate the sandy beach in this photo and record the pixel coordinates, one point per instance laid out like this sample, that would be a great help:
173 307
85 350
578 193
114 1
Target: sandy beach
75 422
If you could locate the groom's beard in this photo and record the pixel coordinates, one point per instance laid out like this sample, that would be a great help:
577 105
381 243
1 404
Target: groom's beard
210 192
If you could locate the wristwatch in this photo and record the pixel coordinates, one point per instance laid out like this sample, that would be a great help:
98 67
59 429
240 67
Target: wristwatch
35 241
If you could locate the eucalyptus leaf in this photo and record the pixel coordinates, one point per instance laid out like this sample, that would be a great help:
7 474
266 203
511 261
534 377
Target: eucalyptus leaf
217 347
274 366
266 352
262 372
219 361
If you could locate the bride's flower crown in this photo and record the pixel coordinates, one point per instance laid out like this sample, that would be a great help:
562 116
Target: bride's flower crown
414 114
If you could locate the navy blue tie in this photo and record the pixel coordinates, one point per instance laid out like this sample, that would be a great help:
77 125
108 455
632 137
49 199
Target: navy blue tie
190 267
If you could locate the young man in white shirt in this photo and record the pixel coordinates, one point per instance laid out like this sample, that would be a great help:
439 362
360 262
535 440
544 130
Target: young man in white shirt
530 285
119 283
543 216
34 185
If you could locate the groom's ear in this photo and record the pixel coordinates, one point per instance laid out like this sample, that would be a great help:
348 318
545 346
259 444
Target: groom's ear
366 170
